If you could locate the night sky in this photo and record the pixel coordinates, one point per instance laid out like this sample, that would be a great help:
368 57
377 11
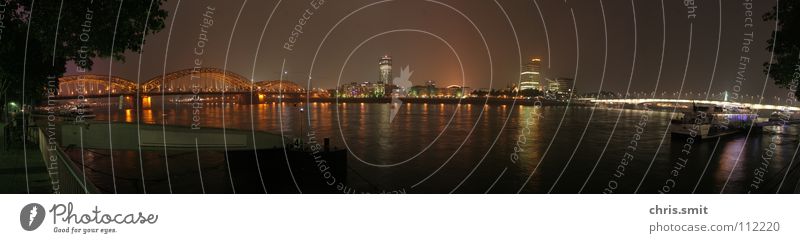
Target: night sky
408 29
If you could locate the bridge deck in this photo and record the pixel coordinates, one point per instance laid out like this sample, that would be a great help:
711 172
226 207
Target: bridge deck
687 101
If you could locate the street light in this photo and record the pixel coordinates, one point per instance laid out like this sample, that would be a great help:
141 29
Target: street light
300 120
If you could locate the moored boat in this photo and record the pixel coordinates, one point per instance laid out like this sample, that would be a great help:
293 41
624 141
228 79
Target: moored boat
711 121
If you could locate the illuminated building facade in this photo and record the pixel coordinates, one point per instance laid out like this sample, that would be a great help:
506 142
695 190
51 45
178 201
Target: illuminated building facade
431 91
361 90
560 85
385 70
531 77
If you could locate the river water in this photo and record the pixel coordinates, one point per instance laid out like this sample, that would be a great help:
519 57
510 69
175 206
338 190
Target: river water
443 148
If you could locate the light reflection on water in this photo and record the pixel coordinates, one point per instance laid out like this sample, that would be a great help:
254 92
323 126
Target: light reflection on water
452 156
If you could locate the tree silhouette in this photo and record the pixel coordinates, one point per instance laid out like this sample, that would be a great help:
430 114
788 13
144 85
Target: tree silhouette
786 46
41 37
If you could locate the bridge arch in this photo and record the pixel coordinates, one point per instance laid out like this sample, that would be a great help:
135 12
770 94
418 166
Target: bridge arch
275 86
198 80
91 84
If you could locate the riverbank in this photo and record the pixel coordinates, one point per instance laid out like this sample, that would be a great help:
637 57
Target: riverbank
471 101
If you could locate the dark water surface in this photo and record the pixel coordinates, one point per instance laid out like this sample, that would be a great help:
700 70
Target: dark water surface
443 148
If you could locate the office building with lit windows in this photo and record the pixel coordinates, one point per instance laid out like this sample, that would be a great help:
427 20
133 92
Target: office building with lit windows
531 77
385 70
560 85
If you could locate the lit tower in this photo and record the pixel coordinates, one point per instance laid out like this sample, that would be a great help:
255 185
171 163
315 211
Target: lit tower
531 77
385 70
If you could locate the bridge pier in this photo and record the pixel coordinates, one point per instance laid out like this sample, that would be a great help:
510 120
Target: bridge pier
249 99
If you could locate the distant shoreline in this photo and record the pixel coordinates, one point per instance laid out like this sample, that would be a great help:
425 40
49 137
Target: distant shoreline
472 101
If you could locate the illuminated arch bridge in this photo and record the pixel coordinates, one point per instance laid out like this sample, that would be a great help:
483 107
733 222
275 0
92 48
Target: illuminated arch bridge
278 86
90 84
198 80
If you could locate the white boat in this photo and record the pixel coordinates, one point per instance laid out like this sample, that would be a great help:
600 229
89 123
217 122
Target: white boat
710 121
76 111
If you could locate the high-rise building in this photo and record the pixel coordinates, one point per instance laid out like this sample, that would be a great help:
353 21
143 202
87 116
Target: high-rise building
531 77
385 70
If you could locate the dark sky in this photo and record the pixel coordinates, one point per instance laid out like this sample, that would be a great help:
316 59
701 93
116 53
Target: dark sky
406 22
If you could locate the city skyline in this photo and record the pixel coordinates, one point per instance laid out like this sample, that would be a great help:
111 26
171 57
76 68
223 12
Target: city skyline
232 48
238 98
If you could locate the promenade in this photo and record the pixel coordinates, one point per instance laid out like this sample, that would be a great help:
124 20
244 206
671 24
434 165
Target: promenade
12 168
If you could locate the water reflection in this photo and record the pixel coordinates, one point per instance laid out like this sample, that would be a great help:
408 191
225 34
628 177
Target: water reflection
420 134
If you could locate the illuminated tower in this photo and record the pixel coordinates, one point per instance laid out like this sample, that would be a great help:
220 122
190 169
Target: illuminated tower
385 70
531 77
